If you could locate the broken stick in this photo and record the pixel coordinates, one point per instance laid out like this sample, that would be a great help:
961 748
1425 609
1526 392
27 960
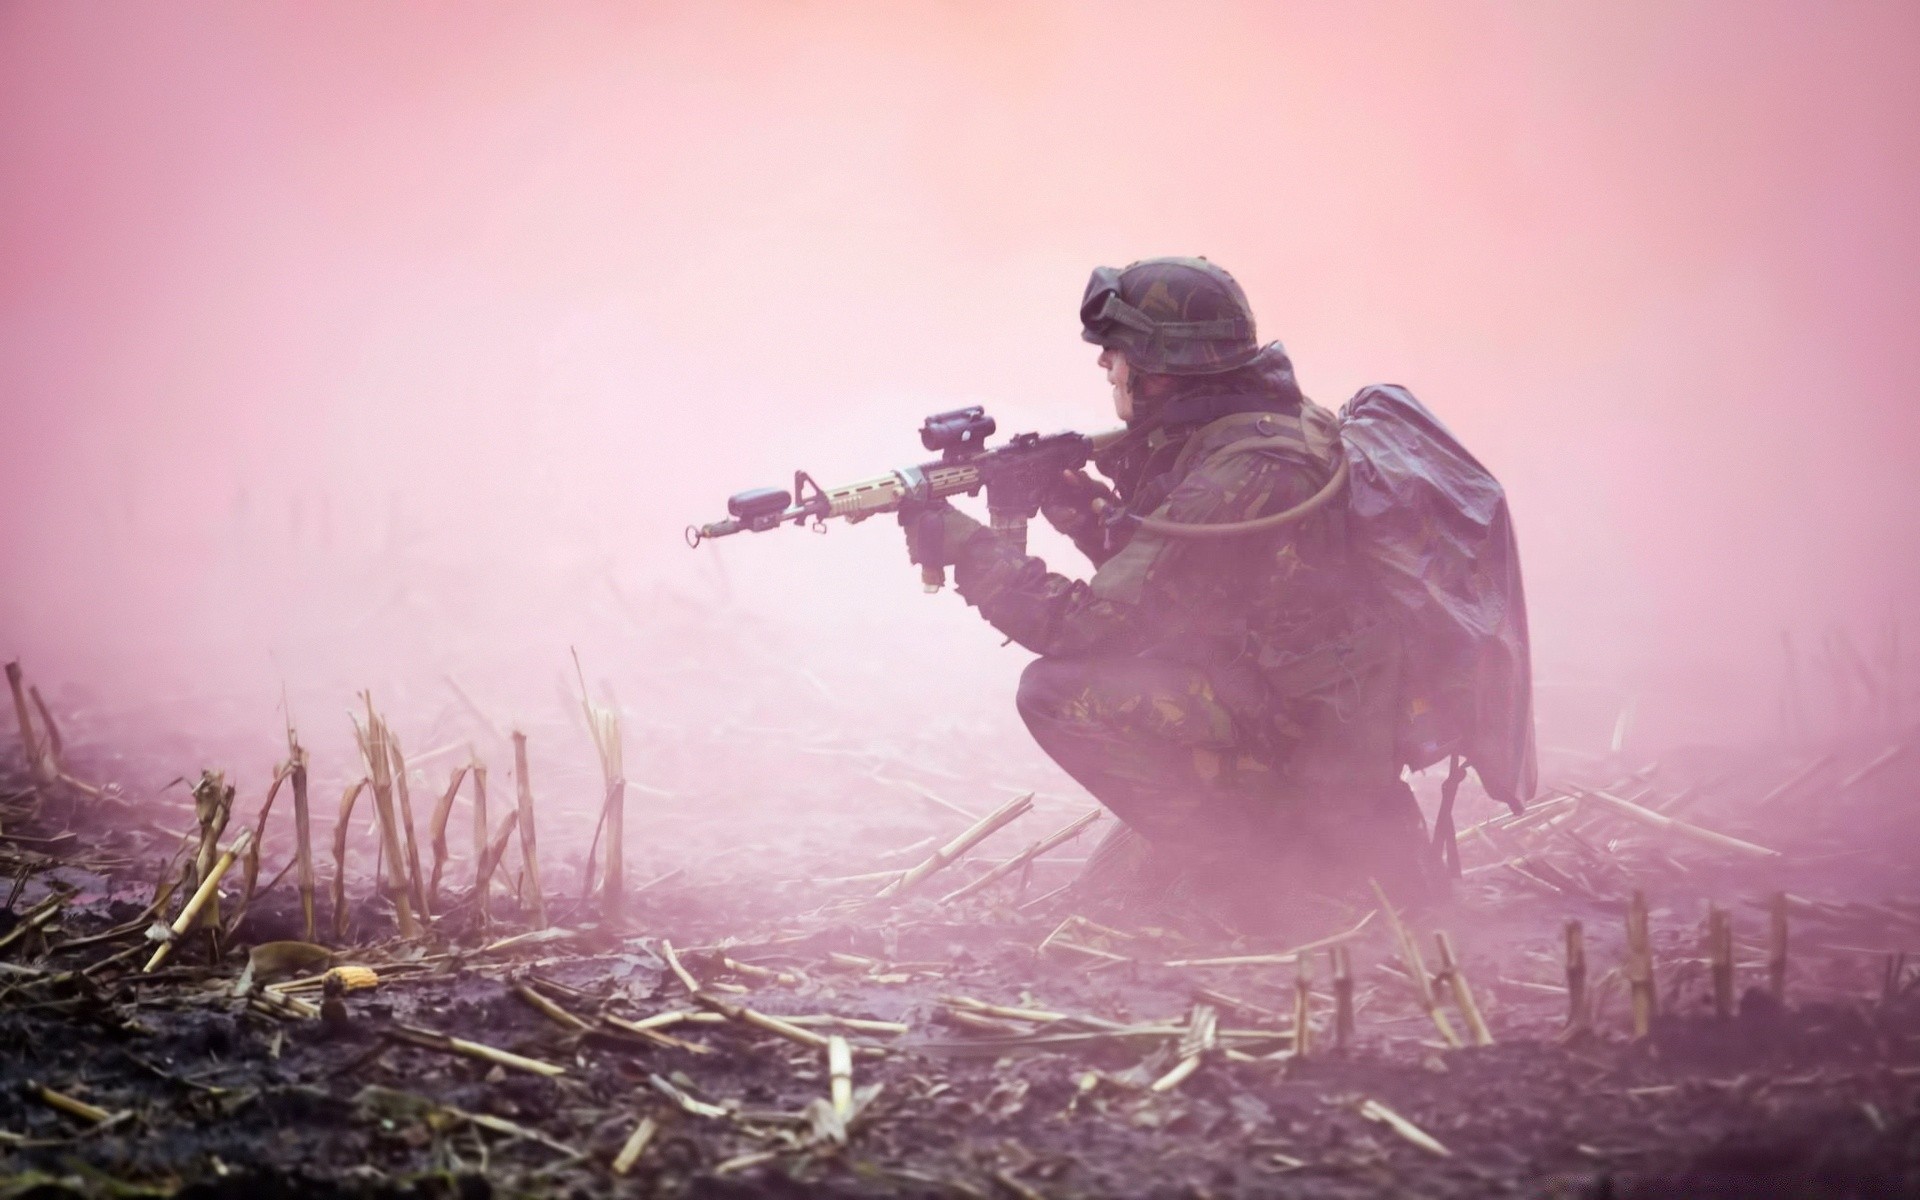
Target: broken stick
212 808
763 1021
1417 969
636 1145
61 1102
980 831
201 901
840 1073
1647 816
1195 1044
1058 838
1462 991
434 1040
1373 1110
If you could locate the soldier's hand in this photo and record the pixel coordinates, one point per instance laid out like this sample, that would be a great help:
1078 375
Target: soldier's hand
1072 505
937 533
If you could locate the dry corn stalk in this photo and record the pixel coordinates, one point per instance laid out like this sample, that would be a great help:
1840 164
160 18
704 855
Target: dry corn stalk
679 969
373 744
341 828
302 831
1303 1007
1639 965
840 1076
437 831
635 1146
55 747
1373 1110
1462 991
1720 959
250 865
482 872
605 724
490 859
1342 961
978 832
61 1102
762 1021
1579 1008
212 808
38 917
433 1040
1278 958
649 1030
1058 838
1647 816
1035 1016
416 879
42 766
1417 969
529 846
688 1104
549 1009
1198 1040
201 901
1777 947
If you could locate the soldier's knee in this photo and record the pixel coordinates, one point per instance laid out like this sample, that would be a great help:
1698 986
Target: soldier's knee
1044 686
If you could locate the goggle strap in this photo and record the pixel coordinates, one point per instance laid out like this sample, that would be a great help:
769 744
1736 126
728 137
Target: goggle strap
1113 308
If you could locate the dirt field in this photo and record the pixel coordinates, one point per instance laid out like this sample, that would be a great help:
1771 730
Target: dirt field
1000 1044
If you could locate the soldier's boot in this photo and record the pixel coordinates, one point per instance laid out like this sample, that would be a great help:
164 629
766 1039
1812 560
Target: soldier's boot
1394 849
1126 873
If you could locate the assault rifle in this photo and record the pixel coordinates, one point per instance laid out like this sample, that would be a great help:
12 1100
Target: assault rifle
1014 475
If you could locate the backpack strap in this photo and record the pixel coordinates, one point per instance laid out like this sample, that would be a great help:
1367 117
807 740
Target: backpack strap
1253 432
1445 843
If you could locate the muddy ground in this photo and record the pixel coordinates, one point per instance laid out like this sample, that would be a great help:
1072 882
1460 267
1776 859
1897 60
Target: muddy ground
202 1078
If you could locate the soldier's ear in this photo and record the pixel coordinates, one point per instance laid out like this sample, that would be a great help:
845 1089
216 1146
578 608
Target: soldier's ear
1149 387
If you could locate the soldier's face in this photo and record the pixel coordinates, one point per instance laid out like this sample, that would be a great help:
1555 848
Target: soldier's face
1121 378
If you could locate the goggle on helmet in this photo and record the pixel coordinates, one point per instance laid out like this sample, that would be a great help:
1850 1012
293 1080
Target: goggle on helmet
1173 316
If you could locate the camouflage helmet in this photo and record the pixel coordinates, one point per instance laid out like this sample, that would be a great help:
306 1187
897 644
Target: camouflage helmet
1172 316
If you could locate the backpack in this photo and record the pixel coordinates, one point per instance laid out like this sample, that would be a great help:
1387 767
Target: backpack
1431 527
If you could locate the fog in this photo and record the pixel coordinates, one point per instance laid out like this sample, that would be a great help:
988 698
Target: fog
367 346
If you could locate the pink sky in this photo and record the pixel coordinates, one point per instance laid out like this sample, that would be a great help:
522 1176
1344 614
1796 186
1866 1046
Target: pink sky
500 297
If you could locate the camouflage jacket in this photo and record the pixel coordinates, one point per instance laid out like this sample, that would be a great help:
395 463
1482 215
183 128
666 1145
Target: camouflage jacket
1206 601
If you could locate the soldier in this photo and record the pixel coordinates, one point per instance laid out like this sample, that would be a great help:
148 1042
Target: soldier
1231 697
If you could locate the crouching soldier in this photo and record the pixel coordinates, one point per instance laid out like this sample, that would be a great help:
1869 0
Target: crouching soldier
1225 683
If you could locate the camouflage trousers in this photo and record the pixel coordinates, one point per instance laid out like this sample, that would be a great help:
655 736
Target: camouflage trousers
1309 774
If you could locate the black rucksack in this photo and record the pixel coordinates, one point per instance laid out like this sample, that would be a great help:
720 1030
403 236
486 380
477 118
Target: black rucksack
1432 526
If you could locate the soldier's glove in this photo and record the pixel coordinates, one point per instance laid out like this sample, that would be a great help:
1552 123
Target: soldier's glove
937 534
1071 505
